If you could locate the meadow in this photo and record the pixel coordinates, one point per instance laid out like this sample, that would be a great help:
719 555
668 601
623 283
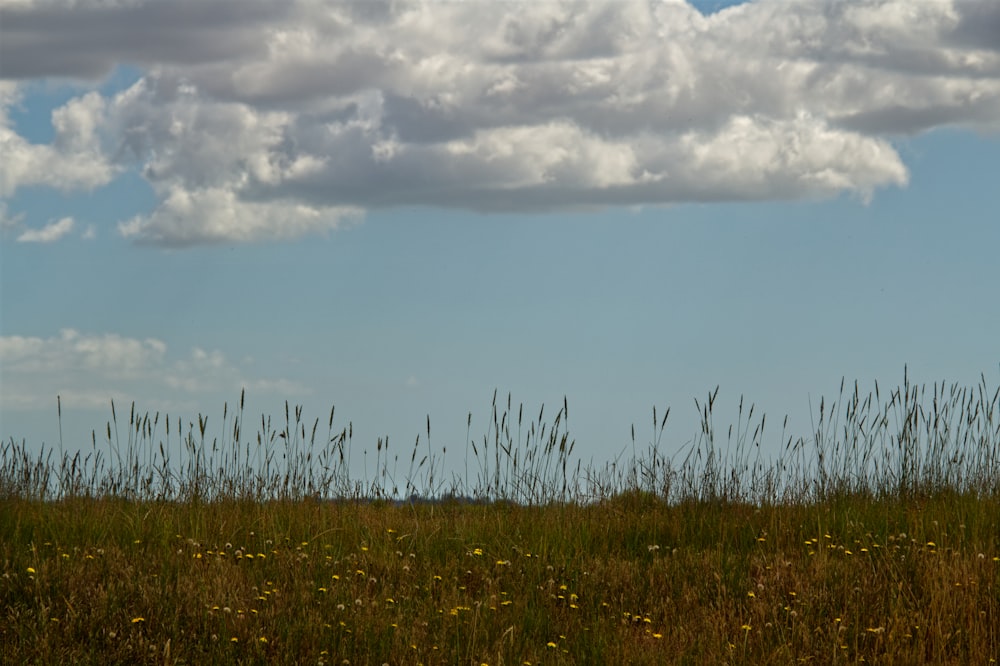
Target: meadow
875 539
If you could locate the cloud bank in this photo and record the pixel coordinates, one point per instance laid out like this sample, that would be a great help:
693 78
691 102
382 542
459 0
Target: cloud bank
88 370
258 120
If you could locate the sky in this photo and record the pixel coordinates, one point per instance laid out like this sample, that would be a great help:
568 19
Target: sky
398 208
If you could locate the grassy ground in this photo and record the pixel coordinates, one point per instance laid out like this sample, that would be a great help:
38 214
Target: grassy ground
899 564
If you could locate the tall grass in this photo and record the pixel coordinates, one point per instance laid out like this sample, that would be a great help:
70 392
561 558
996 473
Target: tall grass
913 441
875 539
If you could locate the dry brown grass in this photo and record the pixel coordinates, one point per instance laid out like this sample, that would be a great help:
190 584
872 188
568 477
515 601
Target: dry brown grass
497 584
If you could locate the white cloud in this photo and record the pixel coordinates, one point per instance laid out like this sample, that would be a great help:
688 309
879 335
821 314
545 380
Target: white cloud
73 160
9 222
87 370
268 120
50 233
216 215
282 387
107 356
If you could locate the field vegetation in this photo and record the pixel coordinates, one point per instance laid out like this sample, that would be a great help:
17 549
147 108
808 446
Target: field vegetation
876 539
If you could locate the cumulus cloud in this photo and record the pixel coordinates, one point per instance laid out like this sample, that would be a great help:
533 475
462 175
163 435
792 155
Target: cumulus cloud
87 370
213 215
73 160
268 120
50 233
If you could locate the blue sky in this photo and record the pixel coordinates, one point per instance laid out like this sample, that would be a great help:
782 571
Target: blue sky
625 204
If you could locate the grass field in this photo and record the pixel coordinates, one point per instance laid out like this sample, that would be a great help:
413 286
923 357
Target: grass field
876 540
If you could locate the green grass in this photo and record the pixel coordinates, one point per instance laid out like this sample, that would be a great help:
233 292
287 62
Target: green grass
876 539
